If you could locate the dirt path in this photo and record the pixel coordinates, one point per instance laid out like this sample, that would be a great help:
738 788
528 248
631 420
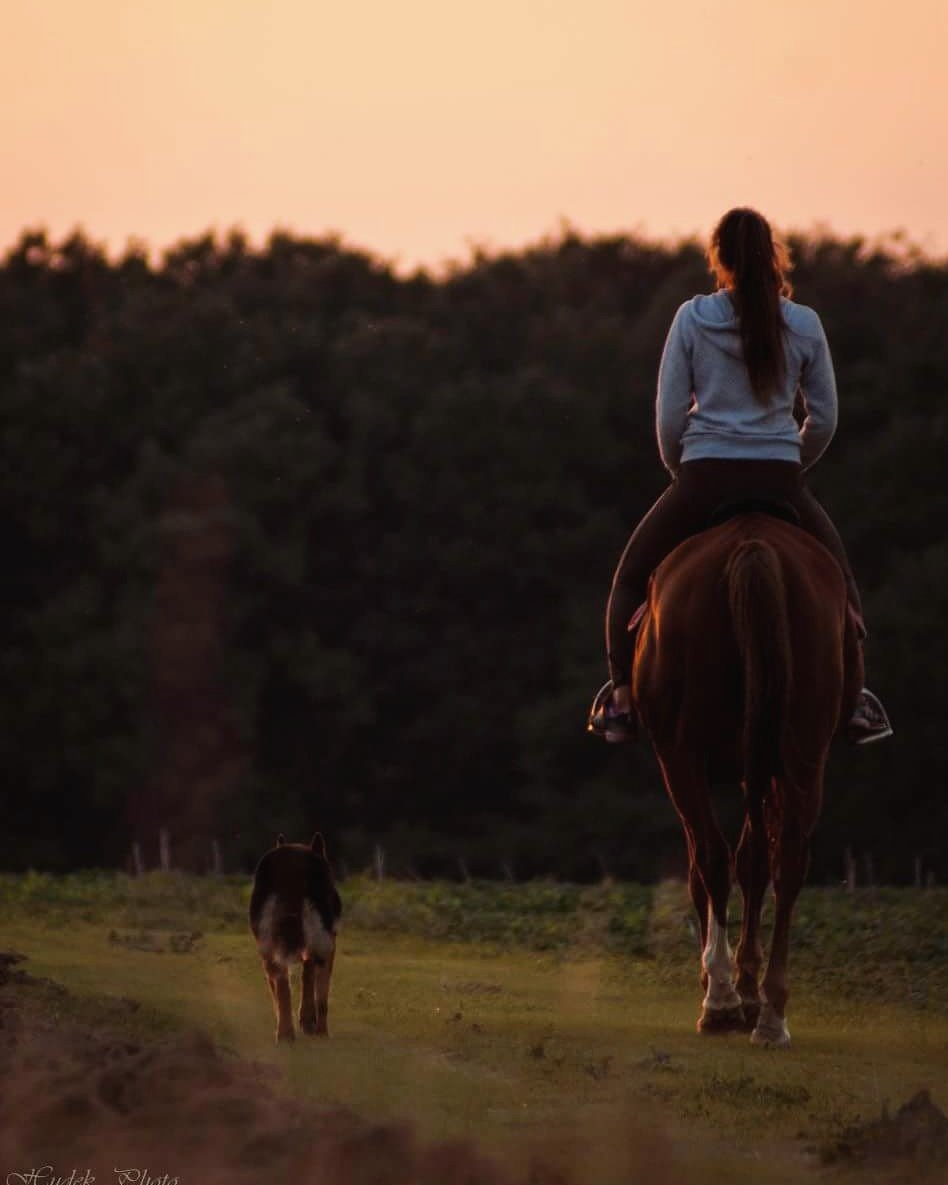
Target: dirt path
83 1092
96 1104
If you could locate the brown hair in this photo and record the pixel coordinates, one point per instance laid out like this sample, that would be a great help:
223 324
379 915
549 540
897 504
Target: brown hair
743 252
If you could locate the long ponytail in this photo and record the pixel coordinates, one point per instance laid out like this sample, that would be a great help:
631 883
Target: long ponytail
742 246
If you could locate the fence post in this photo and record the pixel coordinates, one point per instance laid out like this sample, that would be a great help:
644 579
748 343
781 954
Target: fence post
850 869
138 864
379 863
217 865
164 849
870 871
918 872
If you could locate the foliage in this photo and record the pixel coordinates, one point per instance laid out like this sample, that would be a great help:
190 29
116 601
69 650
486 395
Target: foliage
872 943
293 541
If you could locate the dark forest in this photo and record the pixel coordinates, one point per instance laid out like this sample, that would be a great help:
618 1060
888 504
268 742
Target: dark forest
294 541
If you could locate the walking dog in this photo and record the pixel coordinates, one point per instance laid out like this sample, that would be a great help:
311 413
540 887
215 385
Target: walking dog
294 914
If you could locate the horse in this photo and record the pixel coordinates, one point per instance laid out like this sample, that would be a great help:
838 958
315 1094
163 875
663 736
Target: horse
745 664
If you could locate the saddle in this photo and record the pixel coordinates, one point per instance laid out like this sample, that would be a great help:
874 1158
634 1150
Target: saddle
775 507
731 508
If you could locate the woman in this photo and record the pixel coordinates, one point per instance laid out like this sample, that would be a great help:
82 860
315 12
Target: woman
733 366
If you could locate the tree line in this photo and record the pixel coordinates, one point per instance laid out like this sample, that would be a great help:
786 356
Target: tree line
292 540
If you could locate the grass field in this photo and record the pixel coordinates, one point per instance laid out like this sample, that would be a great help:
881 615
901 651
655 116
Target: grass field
513 1015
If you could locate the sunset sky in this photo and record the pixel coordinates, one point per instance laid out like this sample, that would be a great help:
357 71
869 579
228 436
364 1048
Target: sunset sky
417 127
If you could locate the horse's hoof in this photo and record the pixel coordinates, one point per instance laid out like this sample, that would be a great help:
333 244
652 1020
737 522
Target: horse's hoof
285 1036
770 1041
771 1031
309 1026
721 1020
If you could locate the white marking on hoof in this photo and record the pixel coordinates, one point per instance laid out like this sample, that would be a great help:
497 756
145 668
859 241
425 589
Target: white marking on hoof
721 996
771 1029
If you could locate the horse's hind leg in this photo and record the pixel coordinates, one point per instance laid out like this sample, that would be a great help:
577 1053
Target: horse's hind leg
699 898
753 874
711 859
789 858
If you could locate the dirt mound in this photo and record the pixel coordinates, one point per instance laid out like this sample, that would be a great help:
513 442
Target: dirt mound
917 1132
89 1101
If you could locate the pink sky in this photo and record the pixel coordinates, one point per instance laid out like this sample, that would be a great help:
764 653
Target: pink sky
417 127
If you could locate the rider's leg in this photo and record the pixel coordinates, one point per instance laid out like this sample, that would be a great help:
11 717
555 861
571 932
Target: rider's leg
676 515
683 510
671 520
815 520
869 722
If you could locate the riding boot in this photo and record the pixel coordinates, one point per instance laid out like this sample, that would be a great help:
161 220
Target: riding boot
857 620
869 721
604 719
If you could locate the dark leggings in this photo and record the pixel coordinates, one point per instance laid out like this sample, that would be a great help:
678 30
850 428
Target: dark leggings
686 508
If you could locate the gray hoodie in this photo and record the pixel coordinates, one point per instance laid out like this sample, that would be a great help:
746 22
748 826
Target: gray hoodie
706 406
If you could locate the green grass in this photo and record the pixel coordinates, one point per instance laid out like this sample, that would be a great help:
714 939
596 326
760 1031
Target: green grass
503 1012
541 916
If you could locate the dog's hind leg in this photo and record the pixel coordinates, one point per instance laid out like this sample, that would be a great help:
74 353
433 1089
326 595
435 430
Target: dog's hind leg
280 988
323 976
308 1021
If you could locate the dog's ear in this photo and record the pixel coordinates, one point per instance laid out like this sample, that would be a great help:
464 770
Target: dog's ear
280 840
318 844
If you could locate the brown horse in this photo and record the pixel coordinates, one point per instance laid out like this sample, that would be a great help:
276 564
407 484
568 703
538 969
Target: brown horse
745 664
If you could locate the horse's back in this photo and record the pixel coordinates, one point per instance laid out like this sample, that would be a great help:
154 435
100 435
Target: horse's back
692 576
688 679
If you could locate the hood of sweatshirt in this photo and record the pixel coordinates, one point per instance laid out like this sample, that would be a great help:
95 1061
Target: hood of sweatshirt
715 315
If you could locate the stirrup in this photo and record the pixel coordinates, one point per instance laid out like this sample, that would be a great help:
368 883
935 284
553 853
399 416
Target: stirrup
870 721
614 727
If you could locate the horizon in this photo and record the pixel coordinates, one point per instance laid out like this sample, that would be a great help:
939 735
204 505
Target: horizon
896 243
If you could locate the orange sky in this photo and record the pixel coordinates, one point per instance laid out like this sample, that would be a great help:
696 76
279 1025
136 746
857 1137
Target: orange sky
415 127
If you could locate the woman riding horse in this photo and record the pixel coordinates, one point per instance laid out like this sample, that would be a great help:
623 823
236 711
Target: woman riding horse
733 367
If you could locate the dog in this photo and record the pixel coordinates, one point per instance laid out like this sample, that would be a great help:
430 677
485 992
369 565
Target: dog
294 915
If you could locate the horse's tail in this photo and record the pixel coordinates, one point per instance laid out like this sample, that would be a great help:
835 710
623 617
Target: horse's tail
758 606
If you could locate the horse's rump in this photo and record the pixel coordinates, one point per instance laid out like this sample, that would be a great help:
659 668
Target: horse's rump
744 633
